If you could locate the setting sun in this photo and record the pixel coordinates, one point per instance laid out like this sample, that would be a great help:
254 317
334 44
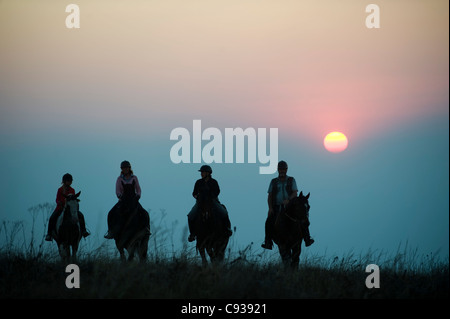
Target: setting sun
335 142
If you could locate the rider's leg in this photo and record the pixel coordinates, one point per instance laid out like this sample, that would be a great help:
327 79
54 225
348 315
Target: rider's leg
191 219
269 228
52 224
305 229
113 221
223 213
83 230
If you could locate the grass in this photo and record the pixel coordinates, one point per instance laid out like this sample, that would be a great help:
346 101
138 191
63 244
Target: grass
31 269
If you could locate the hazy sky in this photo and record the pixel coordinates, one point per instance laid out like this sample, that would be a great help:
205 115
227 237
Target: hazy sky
82 100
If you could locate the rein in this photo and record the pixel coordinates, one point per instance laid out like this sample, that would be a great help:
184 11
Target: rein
207 213
288 216
291 218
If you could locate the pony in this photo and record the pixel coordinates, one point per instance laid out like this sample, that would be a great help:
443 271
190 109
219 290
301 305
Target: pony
68 234
288 229
211 231
134 223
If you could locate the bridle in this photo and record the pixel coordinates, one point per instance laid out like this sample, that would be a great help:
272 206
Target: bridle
291 218
68 207
295 220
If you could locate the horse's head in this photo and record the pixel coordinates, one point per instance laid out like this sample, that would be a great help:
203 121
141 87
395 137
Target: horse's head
300 207
128 191
72 206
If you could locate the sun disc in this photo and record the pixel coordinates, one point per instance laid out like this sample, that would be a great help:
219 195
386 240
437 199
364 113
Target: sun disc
335 142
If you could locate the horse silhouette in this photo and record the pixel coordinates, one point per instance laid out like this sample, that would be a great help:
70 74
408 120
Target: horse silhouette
133 224
211 231
288 229
67 232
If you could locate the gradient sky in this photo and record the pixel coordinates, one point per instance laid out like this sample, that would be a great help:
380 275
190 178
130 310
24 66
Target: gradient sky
82 100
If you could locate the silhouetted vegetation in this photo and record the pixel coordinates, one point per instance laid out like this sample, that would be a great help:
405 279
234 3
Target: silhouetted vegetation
31 269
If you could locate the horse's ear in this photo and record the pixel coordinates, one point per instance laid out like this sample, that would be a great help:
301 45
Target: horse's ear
77 194
307 196
301 194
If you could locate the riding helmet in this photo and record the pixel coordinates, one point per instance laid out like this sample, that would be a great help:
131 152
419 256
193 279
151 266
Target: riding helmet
125 164
67 177
205 168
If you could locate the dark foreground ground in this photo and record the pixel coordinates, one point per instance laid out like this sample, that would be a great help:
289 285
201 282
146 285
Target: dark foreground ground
181 278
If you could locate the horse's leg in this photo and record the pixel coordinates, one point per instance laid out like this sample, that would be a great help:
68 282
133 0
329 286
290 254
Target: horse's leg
201 250
66 249
75 250
143 247
296 250
121 252
203 255
285 254
71 249
61 251
219 253
220 250
212 254
131 249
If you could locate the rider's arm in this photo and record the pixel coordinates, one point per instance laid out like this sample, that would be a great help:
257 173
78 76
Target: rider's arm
196 189
119 188
215 189
270 201
270 198
294 189
293 194
60 200
137 186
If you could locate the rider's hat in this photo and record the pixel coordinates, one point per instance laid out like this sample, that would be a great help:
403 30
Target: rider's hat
67 177
125 164
282 165
205 168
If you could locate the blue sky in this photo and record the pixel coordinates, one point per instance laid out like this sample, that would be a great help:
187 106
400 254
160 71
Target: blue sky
392 191
81 101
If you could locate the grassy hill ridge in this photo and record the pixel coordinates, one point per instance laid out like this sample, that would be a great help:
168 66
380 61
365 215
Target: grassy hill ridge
182 278
31 268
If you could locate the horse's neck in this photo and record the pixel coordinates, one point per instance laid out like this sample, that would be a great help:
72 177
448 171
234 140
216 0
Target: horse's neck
206 204
128 199
70 213
206 209
289 213
128 195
